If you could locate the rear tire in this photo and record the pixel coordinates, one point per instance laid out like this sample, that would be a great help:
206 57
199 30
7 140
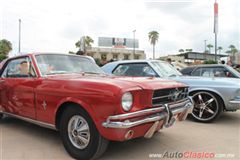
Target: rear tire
79 134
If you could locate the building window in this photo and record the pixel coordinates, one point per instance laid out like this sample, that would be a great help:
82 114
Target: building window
136 57
126 56
115 56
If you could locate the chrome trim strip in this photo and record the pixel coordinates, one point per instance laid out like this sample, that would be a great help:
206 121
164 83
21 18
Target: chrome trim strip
42 124
184 94
135 114
160 97
175 104
235 101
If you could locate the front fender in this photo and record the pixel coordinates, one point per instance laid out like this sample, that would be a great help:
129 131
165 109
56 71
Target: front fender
95 112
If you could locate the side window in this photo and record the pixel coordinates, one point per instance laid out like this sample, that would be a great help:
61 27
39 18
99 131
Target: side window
138 70
207 72
187 71
222 72
197 72
19 68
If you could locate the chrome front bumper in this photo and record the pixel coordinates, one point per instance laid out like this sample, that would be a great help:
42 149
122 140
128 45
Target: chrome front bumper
166 112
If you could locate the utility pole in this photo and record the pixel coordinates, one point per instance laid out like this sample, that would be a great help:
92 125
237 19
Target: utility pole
205 49
134 43
205 46
19 36
215 26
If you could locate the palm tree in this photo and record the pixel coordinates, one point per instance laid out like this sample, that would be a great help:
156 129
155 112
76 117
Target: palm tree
219 49
233 50
84 43
231 47
153 38
181 50
209 46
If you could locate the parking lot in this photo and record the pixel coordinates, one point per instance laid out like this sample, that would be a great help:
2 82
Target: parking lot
22 140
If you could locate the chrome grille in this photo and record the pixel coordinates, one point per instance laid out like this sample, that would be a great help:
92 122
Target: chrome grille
163 96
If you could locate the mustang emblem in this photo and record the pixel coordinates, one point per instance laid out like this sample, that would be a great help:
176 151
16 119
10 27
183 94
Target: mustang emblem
44 104
174 95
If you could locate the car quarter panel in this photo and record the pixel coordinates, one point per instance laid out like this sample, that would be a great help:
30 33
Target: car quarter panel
226 88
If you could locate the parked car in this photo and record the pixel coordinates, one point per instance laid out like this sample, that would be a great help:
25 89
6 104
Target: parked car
213 70
211 95
72 94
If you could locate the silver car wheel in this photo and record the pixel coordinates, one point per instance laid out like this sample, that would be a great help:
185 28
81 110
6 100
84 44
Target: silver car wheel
206 106
79 132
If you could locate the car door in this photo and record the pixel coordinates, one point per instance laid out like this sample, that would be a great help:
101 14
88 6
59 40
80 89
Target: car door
17 87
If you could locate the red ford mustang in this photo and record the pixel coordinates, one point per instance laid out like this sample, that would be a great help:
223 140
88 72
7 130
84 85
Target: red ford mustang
72 94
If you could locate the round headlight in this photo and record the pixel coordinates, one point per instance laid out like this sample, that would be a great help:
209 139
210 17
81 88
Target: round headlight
127 101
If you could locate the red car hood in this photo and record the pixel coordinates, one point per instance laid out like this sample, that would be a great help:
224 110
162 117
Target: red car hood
122 82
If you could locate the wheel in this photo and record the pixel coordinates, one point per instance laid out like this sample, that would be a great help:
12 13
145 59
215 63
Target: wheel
207 107
79 134
1 115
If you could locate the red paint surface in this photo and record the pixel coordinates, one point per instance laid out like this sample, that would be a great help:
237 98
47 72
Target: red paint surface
100 96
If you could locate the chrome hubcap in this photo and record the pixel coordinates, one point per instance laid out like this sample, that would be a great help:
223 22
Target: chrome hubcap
206 106
78 132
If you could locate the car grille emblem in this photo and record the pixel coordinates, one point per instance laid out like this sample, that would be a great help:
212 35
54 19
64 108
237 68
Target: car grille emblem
174 95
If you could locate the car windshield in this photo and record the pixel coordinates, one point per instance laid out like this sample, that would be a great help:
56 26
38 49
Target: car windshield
165 69
50 64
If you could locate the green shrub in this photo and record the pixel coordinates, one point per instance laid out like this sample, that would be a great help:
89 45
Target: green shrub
210 62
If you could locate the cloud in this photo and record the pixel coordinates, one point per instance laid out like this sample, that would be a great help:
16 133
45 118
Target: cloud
55 26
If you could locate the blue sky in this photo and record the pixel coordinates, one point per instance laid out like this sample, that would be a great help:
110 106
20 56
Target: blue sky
55 26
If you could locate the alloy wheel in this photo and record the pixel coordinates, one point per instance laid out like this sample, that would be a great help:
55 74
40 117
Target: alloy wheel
206 106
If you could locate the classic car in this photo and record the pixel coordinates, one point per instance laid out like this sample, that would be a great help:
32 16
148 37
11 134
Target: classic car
211 95
211 70
71 94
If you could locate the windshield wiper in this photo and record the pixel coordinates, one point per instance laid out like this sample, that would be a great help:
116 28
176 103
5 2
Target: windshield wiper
172 75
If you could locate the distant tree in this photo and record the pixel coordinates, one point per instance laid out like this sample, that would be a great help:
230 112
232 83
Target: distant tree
188 50
219 49
209 46
5 47
233 50
181 50
71 52
84 43
231 47
153 38
2 57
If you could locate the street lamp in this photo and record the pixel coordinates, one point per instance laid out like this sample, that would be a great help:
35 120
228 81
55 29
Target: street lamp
134 43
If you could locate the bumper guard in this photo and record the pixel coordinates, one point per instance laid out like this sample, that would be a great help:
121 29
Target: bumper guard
165 112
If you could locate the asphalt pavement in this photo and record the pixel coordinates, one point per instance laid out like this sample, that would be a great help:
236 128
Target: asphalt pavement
185 140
